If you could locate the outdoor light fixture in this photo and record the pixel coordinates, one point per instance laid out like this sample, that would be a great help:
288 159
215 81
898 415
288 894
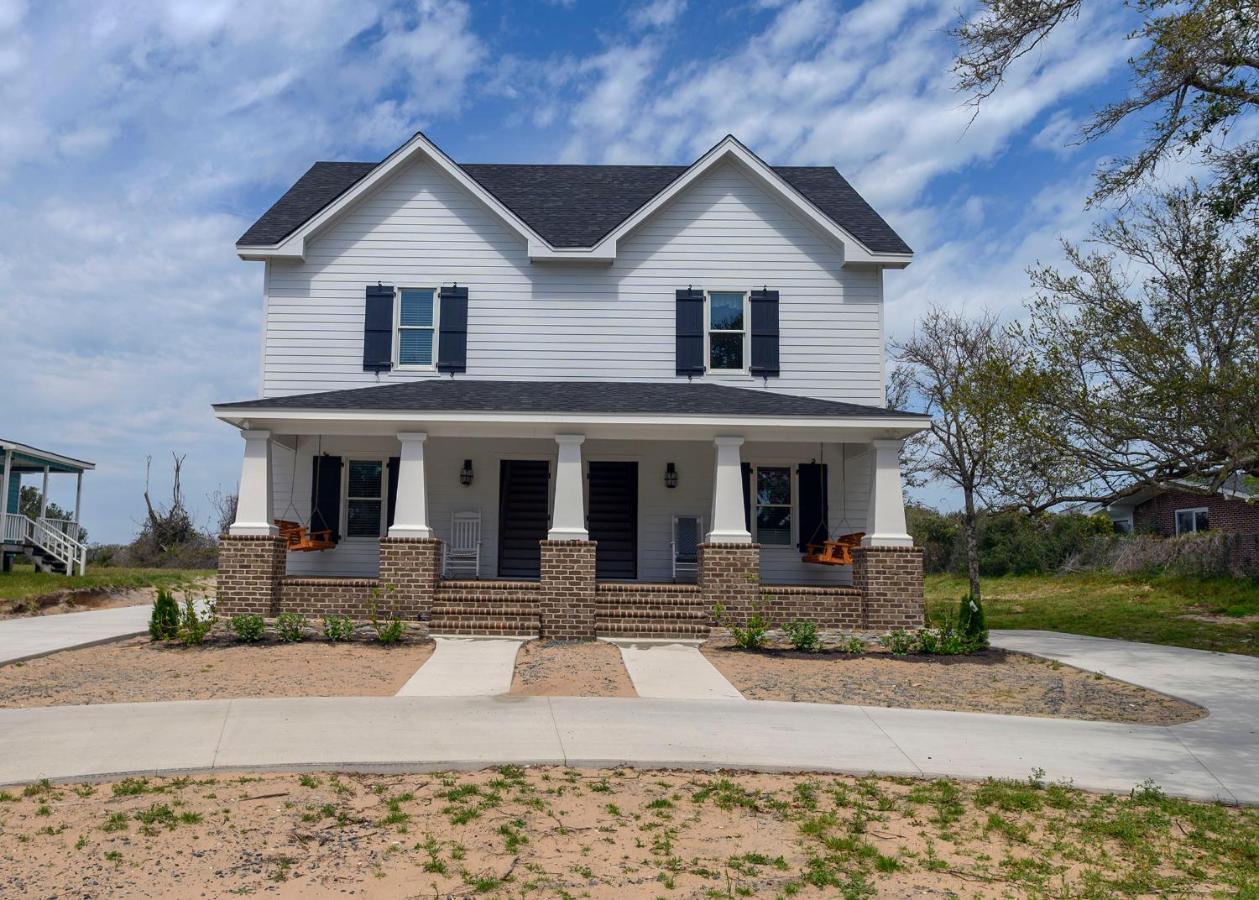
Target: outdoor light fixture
670 476
465 474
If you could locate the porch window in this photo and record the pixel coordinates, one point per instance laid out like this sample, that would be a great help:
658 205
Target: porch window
727 331
417 327
773 505
364 494
1190 521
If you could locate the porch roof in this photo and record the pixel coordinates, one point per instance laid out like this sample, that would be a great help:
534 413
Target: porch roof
677 410
26 459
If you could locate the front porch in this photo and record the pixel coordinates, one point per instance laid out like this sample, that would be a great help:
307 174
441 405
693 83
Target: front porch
602 532
54 544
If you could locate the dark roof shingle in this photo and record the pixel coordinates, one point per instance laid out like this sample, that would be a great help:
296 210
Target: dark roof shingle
599 397
574 206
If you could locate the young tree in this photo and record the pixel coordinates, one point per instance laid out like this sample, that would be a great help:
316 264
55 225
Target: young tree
1149 347
972 377
1195 68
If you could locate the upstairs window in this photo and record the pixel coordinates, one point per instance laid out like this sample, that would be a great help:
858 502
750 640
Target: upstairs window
364 495
417 327
727 331
773 505
1190 521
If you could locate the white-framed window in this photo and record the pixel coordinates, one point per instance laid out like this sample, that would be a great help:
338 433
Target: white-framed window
726 318
772 505
364 498
415 328
1189 521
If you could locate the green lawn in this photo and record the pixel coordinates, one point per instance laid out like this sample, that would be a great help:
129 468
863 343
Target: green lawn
24 582
1151 609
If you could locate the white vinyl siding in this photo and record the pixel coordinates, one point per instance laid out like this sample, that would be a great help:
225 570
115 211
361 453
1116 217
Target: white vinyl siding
565 321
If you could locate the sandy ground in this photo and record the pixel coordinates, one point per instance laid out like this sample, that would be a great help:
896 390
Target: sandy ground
992 682
588 669
87 599
137 670
556 832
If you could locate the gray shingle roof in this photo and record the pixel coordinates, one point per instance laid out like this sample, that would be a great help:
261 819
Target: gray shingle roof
574 206
607 397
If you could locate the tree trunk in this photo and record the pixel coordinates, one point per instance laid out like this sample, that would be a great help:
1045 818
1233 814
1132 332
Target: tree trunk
972 543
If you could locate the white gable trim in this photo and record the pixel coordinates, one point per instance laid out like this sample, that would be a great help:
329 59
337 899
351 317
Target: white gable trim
728 149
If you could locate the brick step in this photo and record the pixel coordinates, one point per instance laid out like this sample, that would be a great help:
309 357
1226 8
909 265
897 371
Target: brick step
662 600
651 611
483 628
486 587
650 628
474 608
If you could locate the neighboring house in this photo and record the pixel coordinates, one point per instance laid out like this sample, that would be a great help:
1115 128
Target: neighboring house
1172 510
53 545
516 398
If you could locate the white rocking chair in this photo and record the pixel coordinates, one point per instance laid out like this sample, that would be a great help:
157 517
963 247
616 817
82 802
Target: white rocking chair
686 538
462 553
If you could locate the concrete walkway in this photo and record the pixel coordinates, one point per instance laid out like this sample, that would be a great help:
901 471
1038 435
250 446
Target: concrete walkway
1214 758
673 671
465 667
32 636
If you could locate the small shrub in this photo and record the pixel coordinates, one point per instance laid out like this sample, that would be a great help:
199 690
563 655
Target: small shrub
803 635
193 626
927 641
338 628
899 642
753 633
388 626
943 641
164 621
972 624
853 645
291 626
248 627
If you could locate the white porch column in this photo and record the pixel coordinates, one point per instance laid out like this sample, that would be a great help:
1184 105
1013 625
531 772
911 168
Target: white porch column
886 523
254 513
568 521
728 523
43 496
410 518
78 499
4 490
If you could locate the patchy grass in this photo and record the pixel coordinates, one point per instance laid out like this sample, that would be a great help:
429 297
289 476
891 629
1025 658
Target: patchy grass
24 583
1156 609
551 832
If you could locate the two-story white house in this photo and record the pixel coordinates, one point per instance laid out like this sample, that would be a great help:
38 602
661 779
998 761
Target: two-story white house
572 400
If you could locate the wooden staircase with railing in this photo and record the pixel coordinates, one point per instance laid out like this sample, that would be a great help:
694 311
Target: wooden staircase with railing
51 544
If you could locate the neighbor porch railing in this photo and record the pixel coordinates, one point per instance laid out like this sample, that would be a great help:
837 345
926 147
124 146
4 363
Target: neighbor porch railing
51 535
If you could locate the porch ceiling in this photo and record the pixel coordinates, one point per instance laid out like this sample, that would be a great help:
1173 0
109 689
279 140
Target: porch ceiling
24 459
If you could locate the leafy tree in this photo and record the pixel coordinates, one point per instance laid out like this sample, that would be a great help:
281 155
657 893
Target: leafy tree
1195 71
1148 347
28 505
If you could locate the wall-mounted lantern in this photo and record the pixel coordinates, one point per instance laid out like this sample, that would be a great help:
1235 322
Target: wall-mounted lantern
670 475
465 474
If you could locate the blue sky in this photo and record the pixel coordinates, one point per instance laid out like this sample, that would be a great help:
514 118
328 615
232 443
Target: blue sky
140 139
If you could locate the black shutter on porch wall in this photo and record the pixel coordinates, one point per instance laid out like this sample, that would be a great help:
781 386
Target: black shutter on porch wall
689 329
764 306
325 495
745 469
392 468
452 327
378 328
811 484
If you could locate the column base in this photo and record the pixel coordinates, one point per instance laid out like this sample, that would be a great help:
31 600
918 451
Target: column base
891 584
730 574
249 571
566 599
410 531
253 529
887 540
409 569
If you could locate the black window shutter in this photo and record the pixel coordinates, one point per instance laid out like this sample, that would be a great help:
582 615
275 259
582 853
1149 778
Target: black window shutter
811 487
393 488
452 327
378 328
689 329
764 333
325 495
745 469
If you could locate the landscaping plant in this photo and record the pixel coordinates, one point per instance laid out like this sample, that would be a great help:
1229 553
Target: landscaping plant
291 627
753 633
248 627
803 635
193 626
338 628
164 621
899 642
388 627
853 645
971 623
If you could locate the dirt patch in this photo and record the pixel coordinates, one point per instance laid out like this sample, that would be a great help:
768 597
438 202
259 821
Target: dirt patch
1214 619
84 599
138 670
994 681
556 669
610 834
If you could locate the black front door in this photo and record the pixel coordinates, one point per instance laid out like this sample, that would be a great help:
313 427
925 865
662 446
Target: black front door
613 519
523 489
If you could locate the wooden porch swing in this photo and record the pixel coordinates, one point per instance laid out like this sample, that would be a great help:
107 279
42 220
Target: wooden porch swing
300 538
837 550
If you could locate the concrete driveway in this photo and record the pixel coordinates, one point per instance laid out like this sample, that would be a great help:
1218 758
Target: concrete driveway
32 636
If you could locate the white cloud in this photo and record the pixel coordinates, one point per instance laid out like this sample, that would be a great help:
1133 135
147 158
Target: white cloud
657 13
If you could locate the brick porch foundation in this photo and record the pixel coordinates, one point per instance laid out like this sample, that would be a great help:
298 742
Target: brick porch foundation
566 598
890 582
250 569
409 571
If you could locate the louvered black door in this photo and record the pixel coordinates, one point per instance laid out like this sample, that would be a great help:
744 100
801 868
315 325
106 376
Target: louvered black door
522 516
613 519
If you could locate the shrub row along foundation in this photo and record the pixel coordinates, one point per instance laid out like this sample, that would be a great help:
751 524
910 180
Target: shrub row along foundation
567 604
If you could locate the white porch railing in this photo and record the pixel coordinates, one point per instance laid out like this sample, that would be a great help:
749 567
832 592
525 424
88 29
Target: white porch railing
51 535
